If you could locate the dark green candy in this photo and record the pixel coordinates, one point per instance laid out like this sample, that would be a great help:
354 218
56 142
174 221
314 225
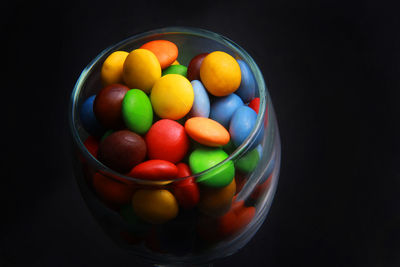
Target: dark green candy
248 162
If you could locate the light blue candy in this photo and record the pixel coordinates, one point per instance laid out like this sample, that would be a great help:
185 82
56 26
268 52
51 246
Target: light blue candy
88 119
224 107
201 103
241 125
247 88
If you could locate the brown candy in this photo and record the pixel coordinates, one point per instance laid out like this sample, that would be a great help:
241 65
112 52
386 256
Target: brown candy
122 150
193 71
107 105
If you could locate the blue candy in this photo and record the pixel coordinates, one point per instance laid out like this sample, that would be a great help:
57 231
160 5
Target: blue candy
242 123
201 103
247 88
224 107
88 119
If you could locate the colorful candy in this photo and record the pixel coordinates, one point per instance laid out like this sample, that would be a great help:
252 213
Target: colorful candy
201 103
154 206
241 125
112 191
175 69
223 108
165 51
137 111
255 104
220 73
141 70
88 118
154 169
186 191
167 140
247 88
122 150
107 105
248 162
207 131
193 72
112 68
217 201
172 96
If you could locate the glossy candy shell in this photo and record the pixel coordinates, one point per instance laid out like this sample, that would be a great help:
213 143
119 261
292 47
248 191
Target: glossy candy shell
247 88
207 131
165 51
222 109
241 125
201 103
137 111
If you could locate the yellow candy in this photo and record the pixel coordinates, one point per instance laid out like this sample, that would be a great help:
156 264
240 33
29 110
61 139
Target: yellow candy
172 96
141 70
155 206
220 73
217 201
176 62
111 70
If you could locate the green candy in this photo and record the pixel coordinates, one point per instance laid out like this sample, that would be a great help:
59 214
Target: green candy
202 159
137 111
248 162
229 147
106 134
136 225
175 69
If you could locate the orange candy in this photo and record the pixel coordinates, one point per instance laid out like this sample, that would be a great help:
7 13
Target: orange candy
207 131
165 51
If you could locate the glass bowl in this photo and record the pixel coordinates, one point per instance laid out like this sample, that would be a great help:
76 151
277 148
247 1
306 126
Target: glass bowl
194 236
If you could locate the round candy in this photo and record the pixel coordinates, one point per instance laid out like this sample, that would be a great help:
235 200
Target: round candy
202 159
111 191
247 88
255 104
172 96
248 162
175 69
107 133
186 191
167 140
220 73
201 103
238 217
241 125
165 51
217 201
141 70
137 111
92 145
111 70
122 150
193 72
154 169
207 131
88 118
107 105
154 206
224 107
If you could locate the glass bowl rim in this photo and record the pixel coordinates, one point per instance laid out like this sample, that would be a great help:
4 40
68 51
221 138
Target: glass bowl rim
73 105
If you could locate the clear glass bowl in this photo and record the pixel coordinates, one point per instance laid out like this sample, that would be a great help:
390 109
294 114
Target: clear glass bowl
192 237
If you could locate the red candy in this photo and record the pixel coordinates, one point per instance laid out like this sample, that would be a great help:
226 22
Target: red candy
186 191
255 104
92 145
111 191
238 217
167 140
107 106
154 170
193 71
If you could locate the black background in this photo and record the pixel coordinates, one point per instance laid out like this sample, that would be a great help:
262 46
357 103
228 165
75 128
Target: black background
332 69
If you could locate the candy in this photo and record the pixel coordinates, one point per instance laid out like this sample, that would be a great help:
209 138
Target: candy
172 96
88 118
220 73
201 103
175 69
202 159
238 217
248 162
255 104
154 169
176 62
167 140
193 72
107 105
223 108
247 88
207 132
216 201
111 70
165 51
137 111
92 145
154 206
122 150
186 191
112 191
141 70
242 123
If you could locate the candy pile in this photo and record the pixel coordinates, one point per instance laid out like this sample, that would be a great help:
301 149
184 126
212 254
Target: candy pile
157 120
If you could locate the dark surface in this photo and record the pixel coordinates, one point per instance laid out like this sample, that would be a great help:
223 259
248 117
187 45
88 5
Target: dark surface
333 74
